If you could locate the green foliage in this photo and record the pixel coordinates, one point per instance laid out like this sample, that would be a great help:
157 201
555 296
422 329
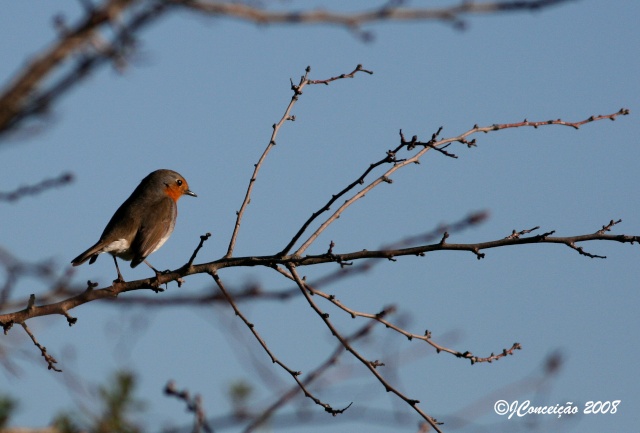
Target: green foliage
117 408
7 406
119 404
239 393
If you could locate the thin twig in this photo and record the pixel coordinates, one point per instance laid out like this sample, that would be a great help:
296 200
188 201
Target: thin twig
51 361
297 91
203 239
389 158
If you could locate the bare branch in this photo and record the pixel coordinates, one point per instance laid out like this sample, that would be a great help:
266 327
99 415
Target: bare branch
61 307
352 74
371 365
389 158
296 260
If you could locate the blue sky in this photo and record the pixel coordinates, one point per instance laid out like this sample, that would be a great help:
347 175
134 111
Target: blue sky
200 96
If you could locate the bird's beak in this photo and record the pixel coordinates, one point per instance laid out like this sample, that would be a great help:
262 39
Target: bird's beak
191 193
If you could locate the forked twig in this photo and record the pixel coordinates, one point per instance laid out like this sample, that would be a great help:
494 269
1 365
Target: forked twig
371 365
297 91
295 374
309 378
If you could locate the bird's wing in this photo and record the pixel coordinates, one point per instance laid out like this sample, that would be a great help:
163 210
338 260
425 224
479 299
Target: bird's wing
155 229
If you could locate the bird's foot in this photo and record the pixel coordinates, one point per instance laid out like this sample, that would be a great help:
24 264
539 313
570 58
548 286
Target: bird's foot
155 284
119 280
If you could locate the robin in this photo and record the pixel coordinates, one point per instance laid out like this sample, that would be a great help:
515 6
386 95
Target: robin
143 223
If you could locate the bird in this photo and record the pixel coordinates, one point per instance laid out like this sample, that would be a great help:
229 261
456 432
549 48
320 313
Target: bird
143 223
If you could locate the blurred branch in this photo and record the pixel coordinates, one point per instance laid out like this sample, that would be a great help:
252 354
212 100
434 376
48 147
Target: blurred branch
14 269
390 11
23 191
33 91
28 94
194 405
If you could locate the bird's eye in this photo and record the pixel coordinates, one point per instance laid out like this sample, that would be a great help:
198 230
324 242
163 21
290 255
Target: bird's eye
179 182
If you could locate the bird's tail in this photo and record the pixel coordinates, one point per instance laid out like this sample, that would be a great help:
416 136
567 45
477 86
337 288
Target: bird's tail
91 253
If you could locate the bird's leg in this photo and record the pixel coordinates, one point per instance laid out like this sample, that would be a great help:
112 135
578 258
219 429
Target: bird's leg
120 279
158 273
